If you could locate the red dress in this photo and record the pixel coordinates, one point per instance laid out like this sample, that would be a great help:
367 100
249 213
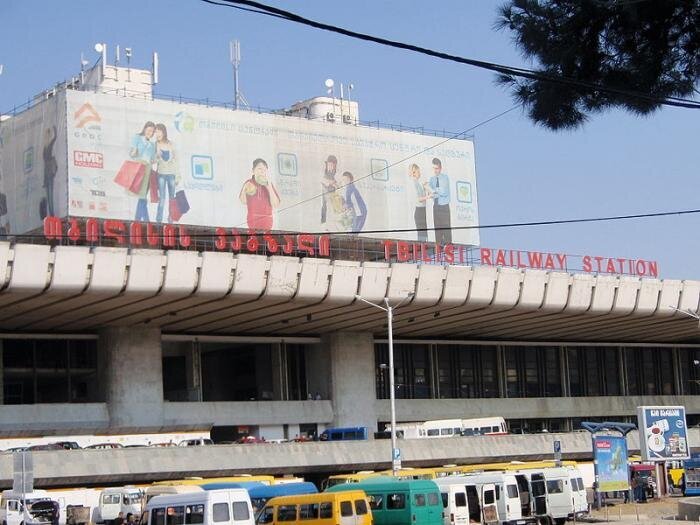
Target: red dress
259 207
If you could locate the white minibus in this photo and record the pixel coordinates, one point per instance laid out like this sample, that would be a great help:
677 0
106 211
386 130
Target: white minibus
454 503
550 493
507 495
209 507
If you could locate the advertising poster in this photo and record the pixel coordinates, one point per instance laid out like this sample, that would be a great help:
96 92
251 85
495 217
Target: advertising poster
33 170
610 456
140 160
663 433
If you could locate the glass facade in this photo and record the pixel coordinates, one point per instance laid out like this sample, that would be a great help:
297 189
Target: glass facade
458 371
49 371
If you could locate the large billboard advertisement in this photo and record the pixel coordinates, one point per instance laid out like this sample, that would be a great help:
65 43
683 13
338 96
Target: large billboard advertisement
161 161
33 171
663 433
610 456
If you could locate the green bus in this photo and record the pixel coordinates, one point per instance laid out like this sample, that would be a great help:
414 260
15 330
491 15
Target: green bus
400 502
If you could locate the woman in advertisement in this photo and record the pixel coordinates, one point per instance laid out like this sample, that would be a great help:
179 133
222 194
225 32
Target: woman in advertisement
167 170
260 196
50 166
423 194
143 150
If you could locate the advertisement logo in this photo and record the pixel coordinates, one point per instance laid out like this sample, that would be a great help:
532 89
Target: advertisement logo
287 164
88 159
184 122
85 115
28 160
202 167
464 191
379 169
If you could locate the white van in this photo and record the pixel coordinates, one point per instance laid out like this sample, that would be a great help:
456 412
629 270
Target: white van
507 495
220 507
127 500
551 493
481 501
163 490
579 491
37 508
454 503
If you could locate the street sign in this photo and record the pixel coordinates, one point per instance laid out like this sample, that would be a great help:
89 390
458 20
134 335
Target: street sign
557 450
396 464
397 454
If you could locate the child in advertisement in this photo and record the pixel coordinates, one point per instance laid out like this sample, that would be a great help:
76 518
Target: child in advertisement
260 196
355 209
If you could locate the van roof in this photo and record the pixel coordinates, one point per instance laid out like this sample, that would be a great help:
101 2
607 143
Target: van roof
193 496
317 498
387 482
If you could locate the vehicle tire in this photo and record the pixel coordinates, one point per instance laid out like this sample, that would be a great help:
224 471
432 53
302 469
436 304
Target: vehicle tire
560 521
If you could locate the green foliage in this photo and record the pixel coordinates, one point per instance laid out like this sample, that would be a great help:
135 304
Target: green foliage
643 46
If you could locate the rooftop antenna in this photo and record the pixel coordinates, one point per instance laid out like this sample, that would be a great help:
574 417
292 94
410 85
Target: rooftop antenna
127 54
154 68
329 83
101 48
351 86
235 59
117 56
1 68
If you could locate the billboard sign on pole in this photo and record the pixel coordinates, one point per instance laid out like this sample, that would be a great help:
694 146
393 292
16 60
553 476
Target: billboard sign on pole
663 433
610 457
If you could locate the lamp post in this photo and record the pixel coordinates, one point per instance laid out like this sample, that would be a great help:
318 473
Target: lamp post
395 453
687 312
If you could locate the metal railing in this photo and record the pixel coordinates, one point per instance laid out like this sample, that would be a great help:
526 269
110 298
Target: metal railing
211 103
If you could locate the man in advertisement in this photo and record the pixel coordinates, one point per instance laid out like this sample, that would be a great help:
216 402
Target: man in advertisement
440 186
260 196
354 203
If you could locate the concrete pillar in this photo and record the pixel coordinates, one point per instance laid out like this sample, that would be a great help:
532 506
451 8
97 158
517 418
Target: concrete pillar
280 387
353 389
318 370
2 377
194 372
131 362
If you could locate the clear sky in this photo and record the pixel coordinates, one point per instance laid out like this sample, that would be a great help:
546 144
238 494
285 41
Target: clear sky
617 164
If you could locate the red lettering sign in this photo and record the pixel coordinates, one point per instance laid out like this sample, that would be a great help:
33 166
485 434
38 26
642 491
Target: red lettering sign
88 159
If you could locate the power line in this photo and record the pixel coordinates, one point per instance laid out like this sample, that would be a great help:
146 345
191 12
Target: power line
531 74
452 137
548 222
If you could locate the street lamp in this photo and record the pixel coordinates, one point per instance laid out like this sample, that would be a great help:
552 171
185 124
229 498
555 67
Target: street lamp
687 312
395 453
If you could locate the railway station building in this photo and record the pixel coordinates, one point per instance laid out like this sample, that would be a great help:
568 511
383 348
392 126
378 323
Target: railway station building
213 280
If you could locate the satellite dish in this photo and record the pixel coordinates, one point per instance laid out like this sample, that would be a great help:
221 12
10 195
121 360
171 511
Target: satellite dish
329 83
99 47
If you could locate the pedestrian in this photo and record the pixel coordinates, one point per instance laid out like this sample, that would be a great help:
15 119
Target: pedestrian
130 519
119 520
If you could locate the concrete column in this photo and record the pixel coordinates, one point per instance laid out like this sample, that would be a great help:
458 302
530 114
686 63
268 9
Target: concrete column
2 377
131 362
318 370
280 387
353 389
194 372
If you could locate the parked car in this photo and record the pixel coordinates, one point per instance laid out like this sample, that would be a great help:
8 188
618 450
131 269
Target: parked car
105 446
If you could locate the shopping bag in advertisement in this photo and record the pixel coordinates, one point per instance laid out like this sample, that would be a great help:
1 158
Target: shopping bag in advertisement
174 208
153 186
130 175
182 202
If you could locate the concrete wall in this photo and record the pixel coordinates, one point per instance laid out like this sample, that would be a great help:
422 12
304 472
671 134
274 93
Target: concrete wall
247 413
521 408
353 386
55 418
133 375
56 468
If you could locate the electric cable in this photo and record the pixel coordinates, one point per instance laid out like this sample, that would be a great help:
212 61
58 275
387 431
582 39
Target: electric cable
491 66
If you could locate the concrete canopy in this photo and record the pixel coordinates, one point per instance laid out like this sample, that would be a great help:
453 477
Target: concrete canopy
81 289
